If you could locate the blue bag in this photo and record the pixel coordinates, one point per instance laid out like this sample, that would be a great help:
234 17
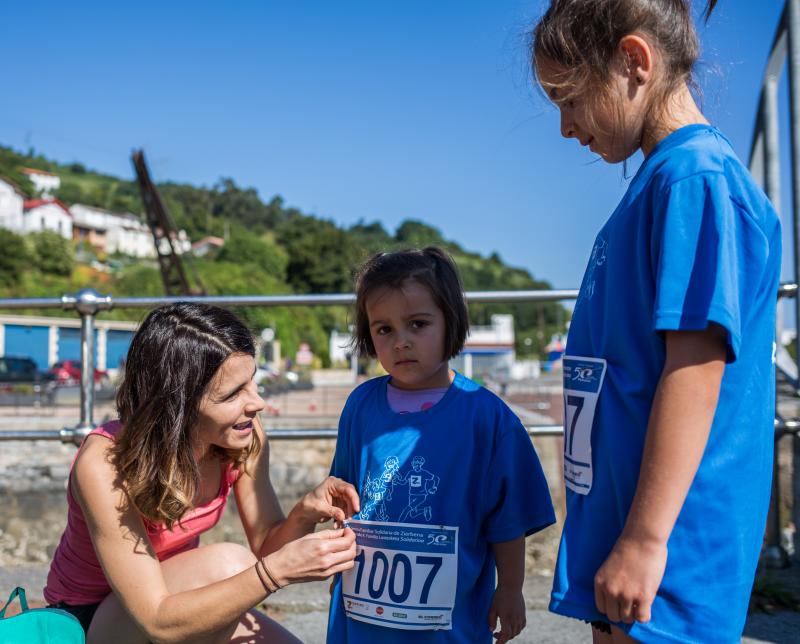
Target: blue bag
38 625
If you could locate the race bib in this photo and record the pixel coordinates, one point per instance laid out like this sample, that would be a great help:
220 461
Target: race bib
404 575
583 380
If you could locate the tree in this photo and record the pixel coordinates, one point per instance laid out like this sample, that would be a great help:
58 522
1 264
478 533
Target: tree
15 257
418 234
52 253
229 201
322 257
265 254
372 238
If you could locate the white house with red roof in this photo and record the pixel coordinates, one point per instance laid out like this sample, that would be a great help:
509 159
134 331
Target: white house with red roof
11 204
46 214
46 183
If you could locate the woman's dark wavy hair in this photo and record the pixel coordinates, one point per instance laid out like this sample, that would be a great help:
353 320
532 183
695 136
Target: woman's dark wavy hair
581 37
173 358
430 267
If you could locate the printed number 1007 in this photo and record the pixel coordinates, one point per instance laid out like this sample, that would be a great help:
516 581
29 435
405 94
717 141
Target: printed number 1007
383 573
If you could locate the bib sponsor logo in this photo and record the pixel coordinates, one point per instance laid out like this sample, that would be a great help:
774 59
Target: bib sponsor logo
438 540
583 374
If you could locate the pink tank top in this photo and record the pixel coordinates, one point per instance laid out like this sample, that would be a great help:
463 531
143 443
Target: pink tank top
76 577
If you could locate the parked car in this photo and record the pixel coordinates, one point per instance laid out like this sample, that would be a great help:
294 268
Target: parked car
68 372
19 369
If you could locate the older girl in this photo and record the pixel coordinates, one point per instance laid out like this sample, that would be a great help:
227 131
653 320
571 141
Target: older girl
668 375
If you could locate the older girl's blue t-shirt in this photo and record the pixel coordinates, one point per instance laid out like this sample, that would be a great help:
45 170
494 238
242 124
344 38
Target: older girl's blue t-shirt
437 488
694 241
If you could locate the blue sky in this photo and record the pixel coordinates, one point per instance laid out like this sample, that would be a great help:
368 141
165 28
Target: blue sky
349 110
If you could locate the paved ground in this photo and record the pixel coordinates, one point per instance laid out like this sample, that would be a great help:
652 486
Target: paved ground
303 610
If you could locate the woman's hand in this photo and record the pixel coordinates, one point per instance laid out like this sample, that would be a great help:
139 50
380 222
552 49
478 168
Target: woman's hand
627 583
332 499
313 557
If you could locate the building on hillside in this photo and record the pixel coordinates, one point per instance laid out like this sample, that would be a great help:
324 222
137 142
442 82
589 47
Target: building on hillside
12 200
489 350
45 183
89 226
206 245
110 232
46 214
180 242
340 347
125 233
130 236
49 340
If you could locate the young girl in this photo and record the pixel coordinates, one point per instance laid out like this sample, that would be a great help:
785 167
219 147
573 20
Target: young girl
668 377
143 488
450 483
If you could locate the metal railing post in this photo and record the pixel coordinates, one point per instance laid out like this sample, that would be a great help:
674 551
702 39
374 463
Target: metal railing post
774 555
793 24
87 371
87 303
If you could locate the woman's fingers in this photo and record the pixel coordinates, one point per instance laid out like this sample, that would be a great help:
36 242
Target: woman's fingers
335 540
350 494
337 549
332 499
346 492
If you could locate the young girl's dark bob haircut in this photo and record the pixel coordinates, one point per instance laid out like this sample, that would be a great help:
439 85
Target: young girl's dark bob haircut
173 358
430 267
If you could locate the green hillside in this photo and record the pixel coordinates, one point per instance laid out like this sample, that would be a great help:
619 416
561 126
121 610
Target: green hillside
270 249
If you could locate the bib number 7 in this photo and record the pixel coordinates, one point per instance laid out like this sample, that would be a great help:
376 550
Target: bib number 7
583 381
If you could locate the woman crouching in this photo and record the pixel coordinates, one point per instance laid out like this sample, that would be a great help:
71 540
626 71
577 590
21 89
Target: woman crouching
143 488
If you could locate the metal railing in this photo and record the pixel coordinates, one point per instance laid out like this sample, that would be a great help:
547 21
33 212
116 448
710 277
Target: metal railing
766 168
89 303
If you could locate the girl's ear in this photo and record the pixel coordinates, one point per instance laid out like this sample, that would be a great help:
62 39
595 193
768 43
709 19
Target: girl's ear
637 58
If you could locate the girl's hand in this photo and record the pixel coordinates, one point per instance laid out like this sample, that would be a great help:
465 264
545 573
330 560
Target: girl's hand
509 605
626 584
332 499
313 557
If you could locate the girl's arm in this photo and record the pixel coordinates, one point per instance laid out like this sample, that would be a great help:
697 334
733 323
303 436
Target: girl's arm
262 518
677 433
134 573
508 603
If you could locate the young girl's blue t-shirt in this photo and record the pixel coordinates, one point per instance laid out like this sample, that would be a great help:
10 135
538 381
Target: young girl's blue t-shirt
465 466
694 241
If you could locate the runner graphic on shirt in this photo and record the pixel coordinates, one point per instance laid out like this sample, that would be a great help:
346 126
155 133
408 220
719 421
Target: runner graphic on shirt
379 490
420 483
597 259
